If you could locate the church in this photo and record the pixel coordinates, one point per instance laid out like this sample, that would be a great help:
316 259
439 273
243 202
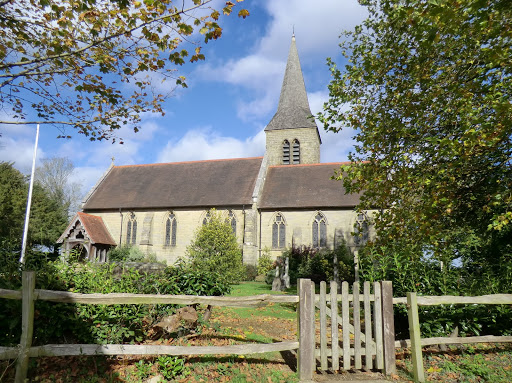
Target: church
285 198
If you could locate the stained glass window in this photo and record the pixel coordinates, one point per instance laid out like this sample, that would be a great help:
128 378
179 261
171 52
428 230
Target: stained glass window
361 230
319 228
232 221
278 232
131 230
206 218
170 230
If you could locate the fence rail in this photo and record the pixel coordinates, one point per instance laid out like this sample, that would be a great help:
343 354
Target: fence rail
375 341
124 298
29 295
413 301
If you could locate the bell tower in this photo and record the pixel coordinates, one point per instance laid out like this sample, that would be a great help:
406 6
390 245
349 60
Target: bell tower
292 136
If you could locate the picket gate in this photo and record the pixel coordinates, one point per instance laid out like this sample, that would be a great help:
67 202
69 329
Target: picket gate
351 330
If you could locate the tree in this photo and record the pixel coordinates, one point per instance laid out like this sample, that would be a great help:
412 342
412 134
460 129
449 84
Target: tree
215 249
54 176
13 200
48 218
85 63
428 88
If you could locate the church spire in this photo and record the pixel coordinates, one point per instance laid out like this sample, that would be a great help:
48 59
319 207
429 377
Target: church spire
293 110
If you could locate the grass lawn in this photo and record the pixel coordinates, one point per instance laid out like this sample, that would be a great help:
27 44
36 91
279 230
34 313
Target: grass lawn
273 310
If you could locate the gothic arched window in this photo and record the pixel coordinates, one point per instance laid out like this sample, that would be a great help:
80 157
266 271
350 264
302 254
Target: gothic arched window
131 230
170 230
207 218
296 152
319 231
232 221
361 230
286 152
278 232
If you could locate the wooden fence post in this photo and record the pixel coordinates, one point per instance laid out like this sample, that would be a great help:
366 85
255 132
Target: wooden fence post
323 325
377 321
345 324
388 326
306 360
415 335
356 305
334 328
27 324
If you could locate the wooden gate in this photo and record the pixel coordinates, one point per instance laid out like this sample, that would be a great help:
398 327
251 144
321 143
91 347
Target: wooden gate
353 330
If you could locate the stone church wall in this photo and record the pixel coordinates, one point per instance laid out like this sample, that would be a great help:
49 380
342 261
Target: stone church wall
151 229
299 228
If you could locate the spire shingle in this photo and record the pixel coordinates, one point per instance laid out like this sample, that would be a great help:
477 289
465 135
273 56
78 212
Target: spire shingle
293 110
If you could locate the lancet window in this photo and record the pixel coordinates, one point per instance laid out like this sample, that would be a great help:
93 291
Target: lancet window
171 226
278 232
207 218
286 152
319 231
361 230
232 221
296 152
131 230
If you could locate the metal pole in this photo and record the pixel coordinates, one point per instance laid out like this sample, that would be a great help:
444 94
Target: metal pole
29 200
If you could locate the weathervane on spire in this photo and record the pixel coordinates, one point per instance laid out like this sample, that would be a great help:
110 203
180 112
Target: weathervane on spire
293 30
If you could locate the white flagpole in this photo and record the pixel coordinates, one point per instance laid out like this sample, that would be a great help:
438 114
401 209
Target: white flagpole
29 200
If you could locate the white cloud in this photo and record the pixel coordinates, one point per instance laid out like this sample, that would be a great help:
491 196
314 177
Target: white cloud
17 145
335 146
317 27
86 177
206 144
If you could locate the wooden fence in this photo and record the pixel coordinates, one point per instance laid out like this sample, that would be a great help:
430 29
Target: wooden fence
413 301
371 310
29 294
378 336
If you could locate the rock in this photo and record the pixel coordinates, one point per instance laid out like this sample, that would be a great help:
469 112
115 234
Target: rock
155 379
184 319
188 315
168 324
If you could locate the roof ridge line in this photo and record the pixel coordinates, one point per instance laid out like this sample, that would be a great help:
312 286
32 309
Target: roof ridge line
188 162
305 165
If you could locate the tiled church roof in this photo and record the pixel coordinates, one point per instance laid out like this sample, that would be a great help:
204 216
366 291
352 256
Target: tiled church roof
305 186
94 227
181 184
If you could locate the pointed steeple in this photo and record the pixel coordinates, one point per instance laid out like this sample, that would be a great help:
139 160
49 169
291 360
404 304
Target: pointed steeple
293 110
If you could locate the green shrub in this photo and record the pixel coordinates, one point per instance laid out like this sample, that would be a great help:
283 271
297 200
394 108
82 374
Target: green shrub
269 277
96 323
318 265
47 277
427 276
251 272
265 262
215 249
128 253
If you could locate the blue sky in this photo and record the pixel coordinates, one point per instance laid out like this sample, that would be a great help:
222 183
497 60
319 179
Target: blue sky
231 97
